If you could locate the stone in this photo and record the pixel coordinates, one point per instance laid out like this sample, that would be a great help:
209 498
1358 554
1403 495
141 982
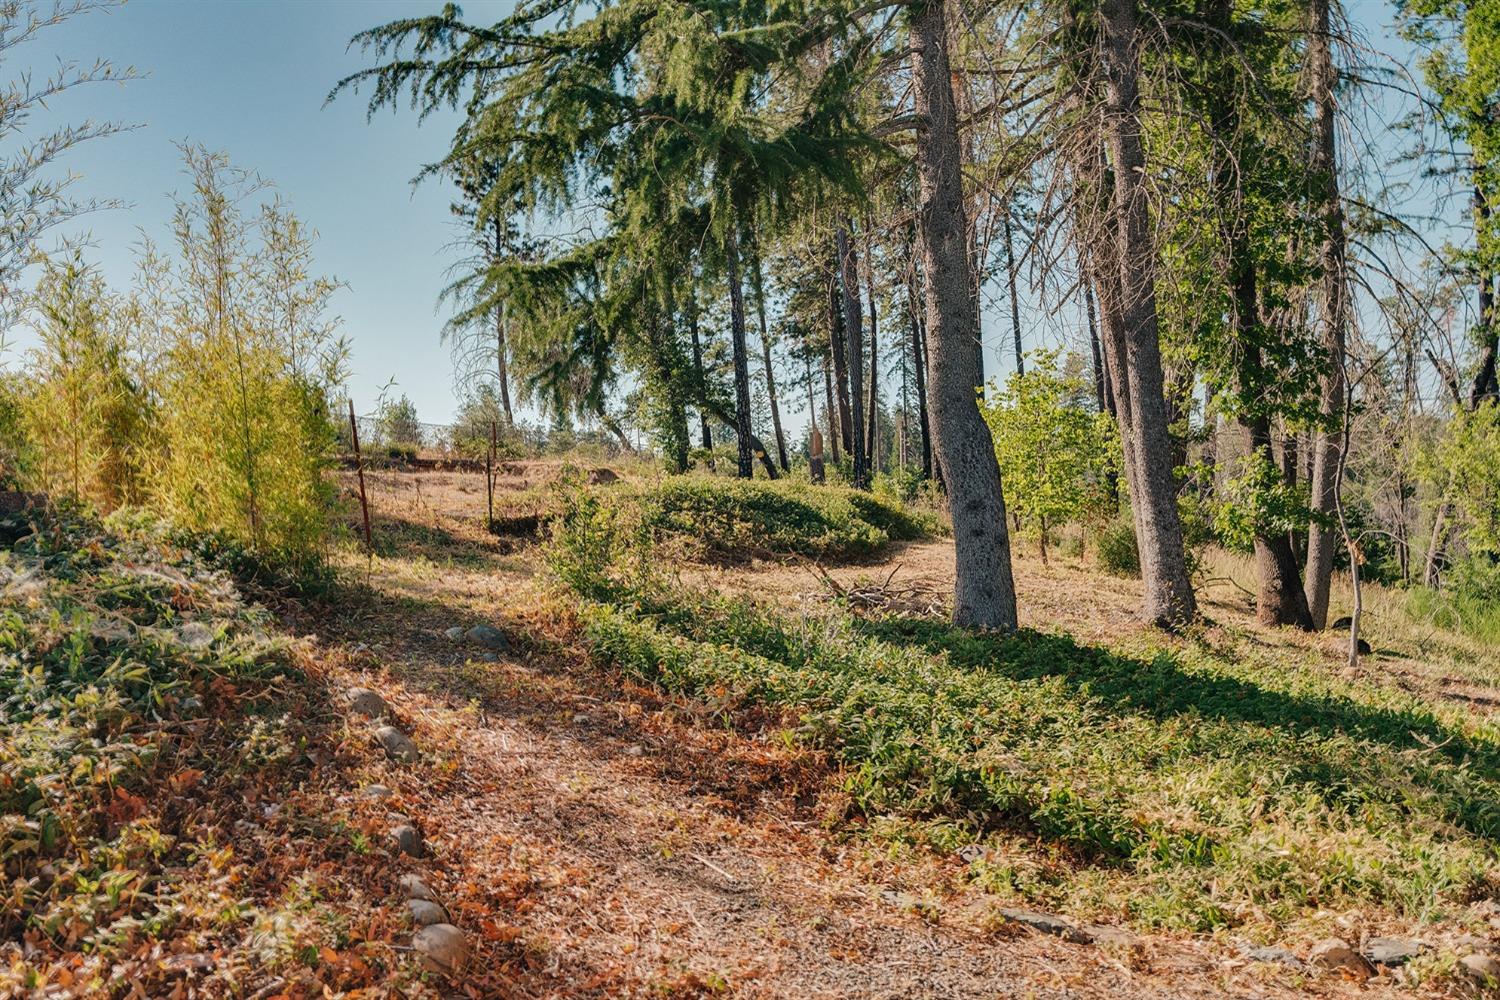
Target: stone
455 633
1481 968
580 719
1110 936
1275 955
397 745
195 636
408 840
488 636
424 912
442 946
414 888
375 792
1049 923
970 853
1335 955
1393 950
363 701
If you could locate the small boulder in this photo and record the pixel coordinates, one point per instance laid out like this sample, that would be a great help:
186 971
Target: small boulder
363 701
1049 923
424 912
442 946
414 888
397 745
407 840
488 636
376 792
455 633
1481 968
1336 955
1393 950
1275 955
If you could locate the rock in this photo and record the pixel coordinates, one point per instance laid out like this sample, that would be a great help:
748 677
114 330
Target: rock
375 792
408 840
1335 955
414 888
970 853
192 703
1341 623
397 745
363 701
196 636
442 947
1049 923
488 636
1110 936
1481 968
424 912
1393 950
1274 954
635 750
455 633
580 719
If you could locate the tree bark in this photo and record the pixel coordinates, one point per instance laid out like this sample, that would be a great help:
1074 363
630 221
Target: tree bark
1322 533
743 432
919 366
1015 303
829 408
872 445
1134 353
1485 385
838 348
501 359
854 337
757 283
692 318
984 592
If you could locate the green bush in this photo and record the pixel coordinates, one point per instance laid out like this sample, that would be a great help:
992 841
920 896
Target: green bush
1468 602
1116 548
745 517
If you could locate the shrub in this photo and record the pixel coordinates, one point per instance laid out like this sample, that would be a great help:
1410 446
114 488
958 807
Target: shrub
1116 549
741 517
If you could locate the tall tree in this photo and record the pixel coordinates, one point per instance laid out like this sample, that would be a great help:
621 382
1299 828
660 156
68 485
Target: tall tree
984 591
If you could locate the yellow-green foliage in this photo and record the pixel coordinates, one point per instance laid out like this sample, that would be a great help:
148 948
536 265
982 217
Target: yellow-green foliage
244 381
85 414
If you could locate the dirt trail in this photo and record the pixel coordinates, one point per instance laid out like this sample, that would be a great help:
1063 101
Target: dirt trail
595 840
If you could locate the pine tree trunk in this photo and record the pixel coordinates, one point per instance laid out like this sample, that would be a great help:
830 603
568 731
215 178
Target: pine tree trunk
1015 302
1134 353
839 349
854 335
919 373
1326 461
1485 385
829 408
692 318
872 446
501 352
984 593
765 346
743 431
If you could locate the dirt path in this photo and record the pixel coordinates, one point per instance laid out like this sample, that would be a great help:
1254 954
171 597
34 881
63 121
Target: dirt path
595 840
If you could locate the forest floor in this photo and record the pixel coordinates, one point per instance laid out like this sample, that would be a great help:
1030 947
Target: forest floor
597 839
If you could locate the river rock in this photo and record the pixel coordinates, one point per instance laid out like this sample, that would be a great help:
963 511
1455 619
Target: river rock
414 888
1481 968
397 745
363 701
1049 923
442 947
408 840
1336 955
424 912
1393 950
488 636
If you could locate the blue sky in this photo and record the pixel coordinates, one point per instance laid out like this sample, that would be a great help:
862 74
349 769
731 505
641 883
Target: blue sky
249 78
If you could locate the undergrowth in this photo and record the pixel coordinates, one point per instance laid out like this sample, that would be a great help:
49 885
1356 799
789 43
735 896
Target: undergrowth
1185 787
142 705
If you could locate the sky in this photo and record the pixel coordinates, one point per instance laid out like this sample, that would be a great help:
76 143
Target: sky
249 78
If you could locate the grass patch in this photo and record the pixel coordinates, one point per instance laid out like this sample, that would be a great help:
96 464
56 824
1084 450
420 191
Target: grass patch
1183 786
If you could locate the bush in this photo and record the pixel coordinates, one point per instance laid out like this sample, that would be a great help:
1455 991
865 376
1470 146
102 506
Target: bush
740 517
1116 548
